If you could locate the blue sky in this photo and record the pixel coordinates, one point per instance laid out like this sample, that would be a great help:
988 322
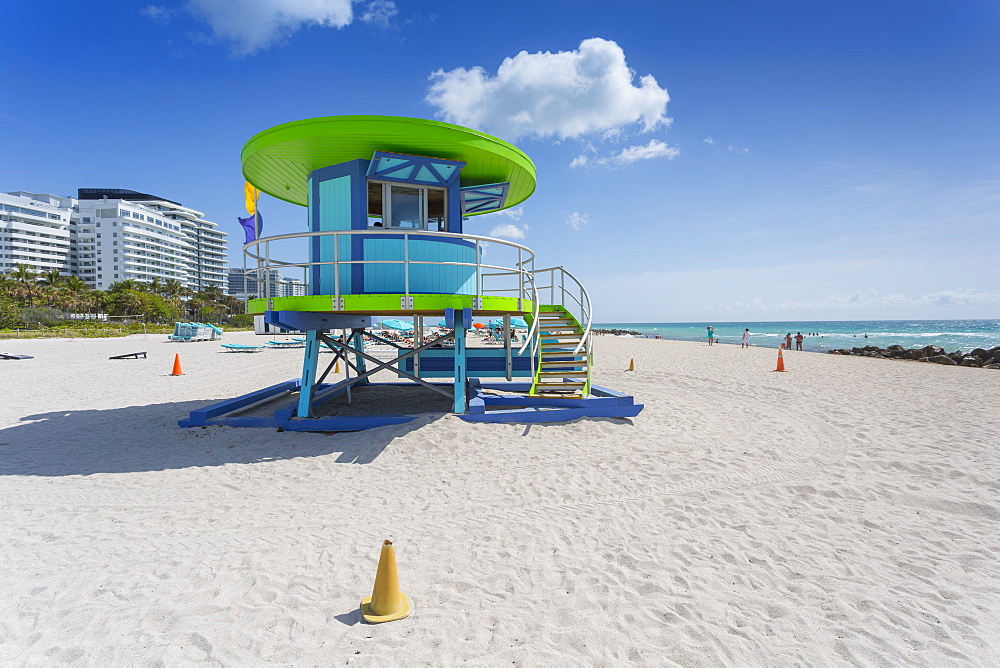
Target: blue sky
697 161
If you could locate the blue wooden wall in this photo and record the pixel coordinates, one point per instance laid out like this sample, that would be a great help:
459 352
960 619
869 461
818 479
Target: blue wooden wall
337 201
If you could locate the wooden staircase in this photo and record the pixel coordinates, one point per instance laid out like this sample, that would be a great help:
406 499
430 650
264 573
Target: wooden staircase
561 373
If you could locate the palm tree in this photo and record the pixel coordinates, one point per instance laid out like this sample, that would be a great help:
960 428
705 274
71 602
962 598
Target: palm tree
25 277
127 284
52 278
77 288
52 283
155 286
172 288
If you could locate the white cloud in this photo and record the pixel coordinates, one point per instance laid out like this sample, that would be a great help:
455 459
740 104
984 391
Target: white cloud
158 13
708 140
379 12
252 25
576 220
654 149
741 151
507 231
515 213
567 94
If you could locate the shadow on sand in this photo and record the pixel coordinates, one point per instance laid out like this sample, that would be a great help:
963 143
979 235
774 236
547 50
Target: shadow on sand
147 438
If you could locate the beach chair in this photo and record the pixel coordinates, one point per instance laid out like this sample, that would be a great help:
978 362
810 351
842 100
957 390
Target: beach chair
237 348
286 344
128 356
8 356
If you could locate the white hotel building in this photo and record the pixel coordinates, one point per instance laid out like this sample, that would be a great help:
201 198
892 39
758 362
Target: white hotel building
123 234
110 235
35 230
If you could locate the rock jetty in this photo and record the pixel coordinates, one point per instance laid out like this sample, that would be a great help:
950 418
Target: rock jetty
616 332
988 359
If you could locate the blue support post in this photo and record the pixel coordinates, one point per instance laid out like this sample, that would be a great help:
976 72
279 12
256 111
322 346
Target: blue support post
359 344
462 321
309 363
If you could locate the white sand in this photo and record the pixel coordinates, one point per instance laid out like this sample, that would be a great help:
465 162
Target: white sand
845 512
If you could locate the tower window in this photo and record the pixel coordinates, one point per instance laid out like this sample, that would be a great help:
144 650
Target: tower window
406 207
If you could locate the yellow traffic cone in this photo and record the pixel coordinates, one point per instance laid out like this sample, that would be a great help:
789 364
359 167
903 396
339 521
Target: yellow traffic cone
387 603
336 367
631 365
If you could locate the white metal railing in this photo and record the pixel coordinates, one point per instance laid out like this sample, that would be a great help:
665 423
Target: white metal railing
259 251
522 278
573 298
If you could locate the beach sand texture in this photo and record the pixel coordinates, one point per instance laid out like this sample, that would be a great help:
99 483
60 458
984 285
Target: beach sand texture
843 513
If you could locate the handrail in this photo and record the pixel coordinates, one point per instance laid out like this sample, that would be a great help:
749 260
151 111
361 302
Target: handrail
265 263
586 308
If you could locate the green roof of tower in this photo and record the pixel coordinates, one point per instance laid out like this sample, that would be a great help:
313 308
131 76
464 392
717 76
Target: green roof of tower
278 160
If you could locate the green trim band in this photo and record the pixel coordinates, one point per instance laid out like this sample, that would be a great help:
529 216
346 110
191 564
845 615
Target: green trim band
388 304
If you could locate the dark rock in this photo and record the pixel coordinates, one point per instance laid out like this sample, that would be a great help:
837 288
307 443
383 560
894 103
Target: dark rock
915 353
939 359
981 354
991 366
932 351
970 360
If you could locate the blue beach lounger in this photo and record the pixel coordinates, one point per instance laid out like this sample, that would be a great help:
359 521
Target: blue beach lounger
287 344
237 348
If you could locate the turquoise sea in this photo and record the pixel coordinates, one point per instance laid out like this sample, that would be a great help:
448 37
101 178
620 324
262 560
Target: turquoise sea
949 334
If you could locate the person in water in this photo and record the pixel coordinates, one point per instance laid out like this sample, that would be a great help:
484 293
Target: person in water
710 335
798 340
746 338
788 341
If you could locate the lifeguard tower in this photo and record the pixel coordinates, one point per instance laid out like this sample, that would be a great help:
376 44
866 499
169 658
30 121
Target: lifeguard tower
387 198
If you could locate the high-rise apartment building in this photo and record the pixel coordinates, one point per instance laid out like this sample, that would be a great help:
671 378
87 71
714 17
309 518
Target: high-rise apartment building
248 287
110 235
35 231
141 237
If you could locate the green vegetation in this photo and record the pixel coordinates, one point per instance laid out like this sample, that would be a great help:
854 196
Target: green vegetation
31 300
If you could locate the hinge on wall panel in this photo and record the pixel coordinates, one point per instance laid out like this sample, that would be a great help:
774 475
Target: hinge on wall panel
406 301
477 303
338 303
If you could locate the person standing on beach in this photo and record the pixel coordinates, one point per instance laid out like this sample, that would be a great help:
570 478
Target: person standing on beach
798 340
710 335
746 338
788 341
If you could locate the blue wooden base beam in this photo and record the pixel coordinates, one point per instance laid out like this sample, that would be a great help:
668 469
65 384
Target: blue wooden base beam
198 417
604 402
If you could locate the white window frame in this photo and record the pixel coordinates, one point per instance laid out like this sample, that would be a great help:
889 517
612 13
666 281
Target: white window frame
387 203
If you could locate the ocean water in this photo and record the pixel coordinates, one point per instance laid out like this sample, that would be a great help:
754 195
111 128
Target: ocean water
949 334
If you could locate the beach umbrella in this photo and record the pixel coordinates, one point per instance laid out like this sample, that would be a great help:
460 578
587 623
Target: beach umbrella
402 325
442 323
514 322
479 325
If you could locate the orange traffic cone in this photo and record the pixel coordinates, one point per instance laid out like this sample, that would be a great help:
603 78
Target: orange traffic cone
387 603
177 366
781 361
